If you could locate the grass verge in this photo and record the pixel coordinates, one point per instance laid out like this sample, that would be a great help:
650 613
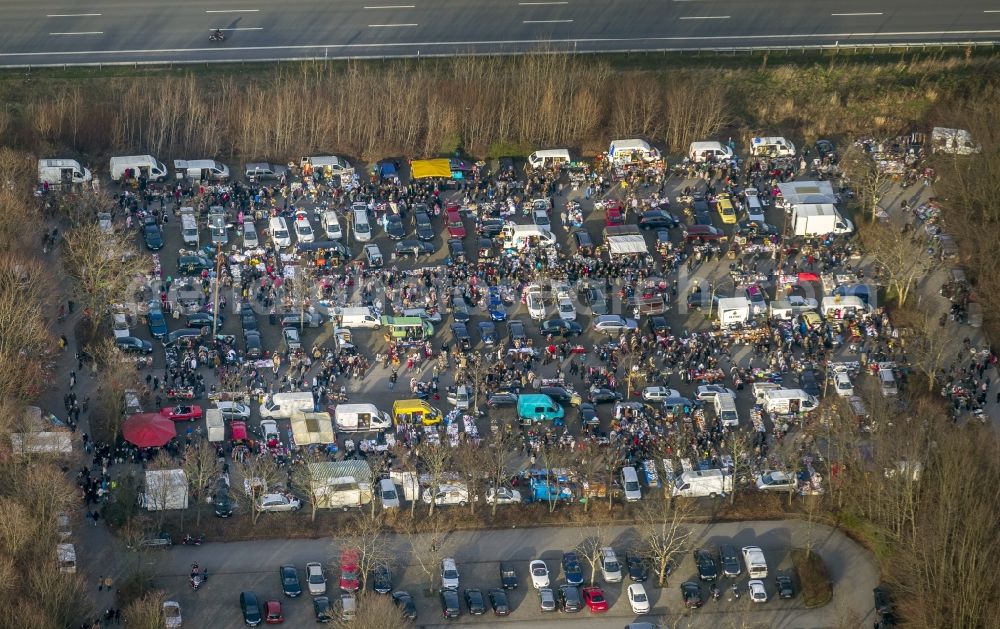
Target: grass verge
817 590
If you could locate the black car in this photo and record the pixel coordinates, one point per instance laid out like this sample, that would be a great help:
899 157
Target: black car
584 243
808 383
182 335
515 331
751 229
405 603
223 503
255 349
490 227
460 309
202 320
571 568
475 601
730 560
322 609
602 395
461 334
691 593
502 398
394 227
657 218
508 576
883 601
702 218
784 585
486 251
290 584
332 248
499 602
561 327
707 571
826 148
152 235
450 606
301 320
488 332
248 319
570 599
588 414
250 608
381 579
658 325
424 227
560 394
415 248
134 345
456 250
637 569
191 265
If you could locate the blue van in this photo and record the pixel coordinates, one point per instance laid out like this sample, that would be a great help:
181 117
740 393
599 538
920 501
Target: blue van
536 407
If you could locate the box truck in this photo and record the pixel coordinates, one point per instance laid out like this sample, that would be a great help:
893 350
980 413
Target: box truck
734 311
819 219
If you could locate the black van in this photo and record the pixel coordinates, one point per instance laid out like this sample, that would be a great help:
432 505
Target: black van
584 243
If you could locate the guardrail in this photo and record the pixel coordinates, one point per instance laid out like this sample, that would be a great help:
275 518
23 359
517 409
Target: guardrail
869 48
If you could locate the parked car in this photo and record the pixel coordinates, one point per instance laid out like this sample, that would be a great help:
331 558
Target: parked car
570 600
475 601
593 597
152 235
776 481
636 565
133 345
394 226
272 613
450 606
637 599
350 580
707 570
561 327
653 394
322 609
709 391
613 323
488 333
602 395
422 225
611 570
730 561
414 248
546 599
203 320
156 321
233 410
381 578
572 571
316 578
784 585
404 602
691 593
278 503
172 614
758 593
501 399
499 602
508 576
449 574
652 219
503 496
250 608
182 413
539 574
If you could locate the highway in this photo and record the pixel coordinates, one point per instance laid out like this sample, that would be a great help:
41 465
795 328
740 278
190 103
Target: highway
57 32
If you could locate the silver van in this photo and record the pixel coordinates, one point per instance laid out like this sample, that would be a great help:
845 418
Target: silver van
250 240
362 228
887 383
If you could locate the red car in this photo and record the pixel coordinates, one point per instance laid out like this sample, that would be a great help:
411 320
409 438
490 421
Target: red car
349 581
272 613
456 228
593 597
182 413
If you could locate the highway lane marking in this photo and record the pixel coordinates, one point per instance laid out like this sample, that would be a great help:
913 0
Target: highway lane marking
249 28
81 33
538 4
395 6
852 14
234 11
507 42
389 25
705 17
992 11
74 15
547 21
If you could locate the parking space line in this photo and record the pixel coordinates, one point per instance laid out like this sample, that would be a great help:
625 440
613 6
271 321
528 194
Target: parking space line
81 33
992 11
234 11
705 17
853 14
534 4
547 21
249 28
389 25
74 15
395 6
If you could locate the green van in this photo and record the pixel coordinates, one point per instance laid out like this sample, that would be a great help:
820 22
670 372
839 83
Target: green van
536 407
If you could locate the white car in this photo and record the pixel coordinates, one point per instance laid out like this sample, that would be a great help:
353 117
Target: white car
278 503
611 570
536 303
315 578
539 574
269 428
776 481
659 393
566 309
503 496
757 592
842 384
172 614
803 303
303 229
637 599
387 492
709 391
449 574
233 410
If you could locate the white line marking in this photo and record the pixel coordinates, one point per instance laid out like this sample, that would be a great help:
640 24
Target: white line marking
254 28
705 17
74 15
508 42
991 11
82 33
234 11
547 21
389 25
853 14
537 4
395 6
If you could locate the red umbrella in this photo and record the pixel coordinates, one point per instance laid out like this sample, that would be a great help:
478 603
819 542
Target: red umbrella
147 430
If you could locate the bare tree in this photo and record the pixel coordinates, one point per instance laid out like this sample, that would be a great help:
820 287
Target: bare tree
366 536
145 612
498 458
375 612
868 178
201 466
427 541
115 376
301 478
662 533
930 345
551 459
260 473
436 459
26 295
590 464
739 444
901 257
104 266
471 461
589 548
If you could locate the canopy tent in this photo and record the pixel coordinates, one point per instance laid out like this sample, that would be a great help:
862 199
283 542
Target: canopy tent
625 245
430 168
310 428
360 471
807 192
148 430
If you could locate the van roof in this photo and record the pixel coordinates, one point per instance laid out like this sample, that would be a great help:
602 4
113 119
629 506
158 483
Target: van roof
552 153
703 146
628 145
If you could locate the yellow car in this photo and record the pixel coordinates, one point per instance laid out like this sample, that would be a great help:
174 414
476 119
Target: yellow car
725 208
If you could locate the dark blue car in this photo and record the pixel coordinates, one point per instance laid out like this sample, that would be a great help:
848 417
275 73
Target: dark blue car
157 322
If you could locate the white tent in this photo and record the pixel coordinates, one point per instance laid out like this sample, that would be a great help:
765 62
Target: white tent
625 245
37 438
165 489
310 428
807 192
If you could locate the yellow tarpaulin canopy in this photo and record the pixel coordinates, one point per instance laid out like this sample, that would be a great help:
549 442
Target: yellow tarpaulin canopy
427 168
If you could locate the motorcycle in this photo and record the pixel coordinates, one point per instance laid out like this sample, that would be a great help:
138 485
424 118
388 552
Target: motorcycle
198 577
193 541
217 36
736 591
715 592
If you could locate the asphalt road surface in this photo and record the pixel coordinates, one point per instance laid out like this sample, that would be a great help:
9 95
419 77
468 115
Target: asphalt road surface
56 32
253 565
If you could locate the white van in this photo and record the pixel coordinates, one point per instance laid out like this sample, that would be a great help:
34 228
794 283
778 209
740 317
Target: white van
632 152
200 170
519 236
772 146
697 484
388 493
362 228
336 166
360 418
66 554
754 208
789 401
887 383
842 306
700 152
759 388
725 410
753 557
250 240
549 158
331 225
141 165
358 317
60 171
630 483
279 232
189 227
282 405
